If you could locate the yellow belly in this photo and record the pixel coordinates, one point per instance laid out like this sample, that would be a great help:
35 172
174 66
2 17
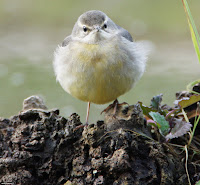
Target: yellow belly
99 74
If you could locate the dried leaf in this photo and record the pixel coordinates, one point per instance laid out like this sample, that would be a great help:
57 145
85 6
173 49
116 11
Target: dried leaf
181 127
185 102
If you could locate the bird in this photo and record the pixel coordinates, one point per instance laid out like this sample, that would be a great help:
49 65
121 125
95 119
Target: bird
99 61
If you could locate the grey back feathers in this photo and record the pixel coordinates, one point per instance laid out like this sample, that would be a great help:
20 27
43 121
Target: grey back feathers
124 33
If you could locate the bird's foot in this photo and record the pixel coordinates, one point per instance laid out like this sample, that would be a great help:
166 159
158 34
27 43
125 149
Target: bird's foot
115 106
80 126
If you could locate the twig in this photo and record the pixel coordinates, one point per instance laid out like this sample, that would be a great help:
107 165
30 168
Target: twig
186 160
140 134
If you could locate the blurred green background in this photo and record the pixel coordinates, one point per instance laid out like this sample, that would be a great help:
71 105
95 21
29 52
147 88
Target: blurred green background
31 30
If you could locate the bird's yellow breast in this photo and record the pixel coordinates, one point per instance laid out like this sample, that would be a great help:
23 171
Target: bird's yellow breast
92 53
99 73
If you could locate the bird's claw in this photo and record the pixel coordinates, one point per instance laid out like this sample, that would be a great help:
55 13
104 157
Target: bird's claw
115 105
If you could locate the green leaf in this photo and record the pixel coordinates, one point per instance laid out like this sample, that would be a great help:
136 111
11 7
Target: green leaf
160 119
156 101
146 109
198 183
189 101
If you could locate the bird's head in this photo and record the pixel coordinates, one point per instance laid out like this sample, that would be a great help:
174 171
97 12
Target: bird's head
93 27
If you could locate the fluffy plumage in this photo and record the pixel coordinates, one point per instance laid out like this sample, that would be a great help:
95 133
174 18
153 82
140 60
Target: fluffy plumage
100 64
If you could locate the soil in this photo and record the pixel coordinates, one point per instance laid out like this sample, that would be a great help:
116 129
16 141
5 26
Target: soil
40 147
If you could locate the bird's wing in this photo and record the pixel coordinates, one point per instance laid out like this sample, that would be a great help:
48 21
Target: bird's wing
66 41
124 33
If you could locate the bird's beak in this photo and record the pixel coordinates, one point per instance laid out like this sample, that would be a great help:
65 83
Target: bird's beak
98 28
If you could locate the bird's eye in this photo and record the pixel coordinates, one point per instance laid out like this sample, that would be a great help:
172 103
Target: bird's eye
105 26
85 29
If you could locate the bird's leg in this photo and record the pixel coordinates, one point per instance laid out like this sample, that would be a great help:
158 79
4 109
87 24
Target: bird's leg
87 118
109 106
88 112
115 105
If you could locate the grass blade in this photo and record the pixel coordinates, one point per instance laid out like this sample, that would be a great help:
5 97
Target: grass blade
193 29
191 85
195 43
186 166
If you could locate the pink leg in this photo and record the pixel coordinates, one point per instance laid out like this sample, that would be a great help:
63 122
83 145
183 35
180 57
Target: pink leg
87 117
88 112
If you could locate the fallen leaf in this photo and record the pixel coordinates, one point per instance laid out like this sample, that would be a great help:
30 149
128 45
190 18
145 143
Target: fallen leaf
185 102
181 127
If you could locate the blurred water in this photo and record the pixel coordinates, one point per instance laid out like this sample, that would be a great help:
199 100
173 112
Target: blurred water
30 32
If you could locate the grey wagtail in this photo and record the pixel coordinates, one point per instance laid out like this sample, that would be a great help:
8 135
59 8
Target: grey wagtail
99 61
